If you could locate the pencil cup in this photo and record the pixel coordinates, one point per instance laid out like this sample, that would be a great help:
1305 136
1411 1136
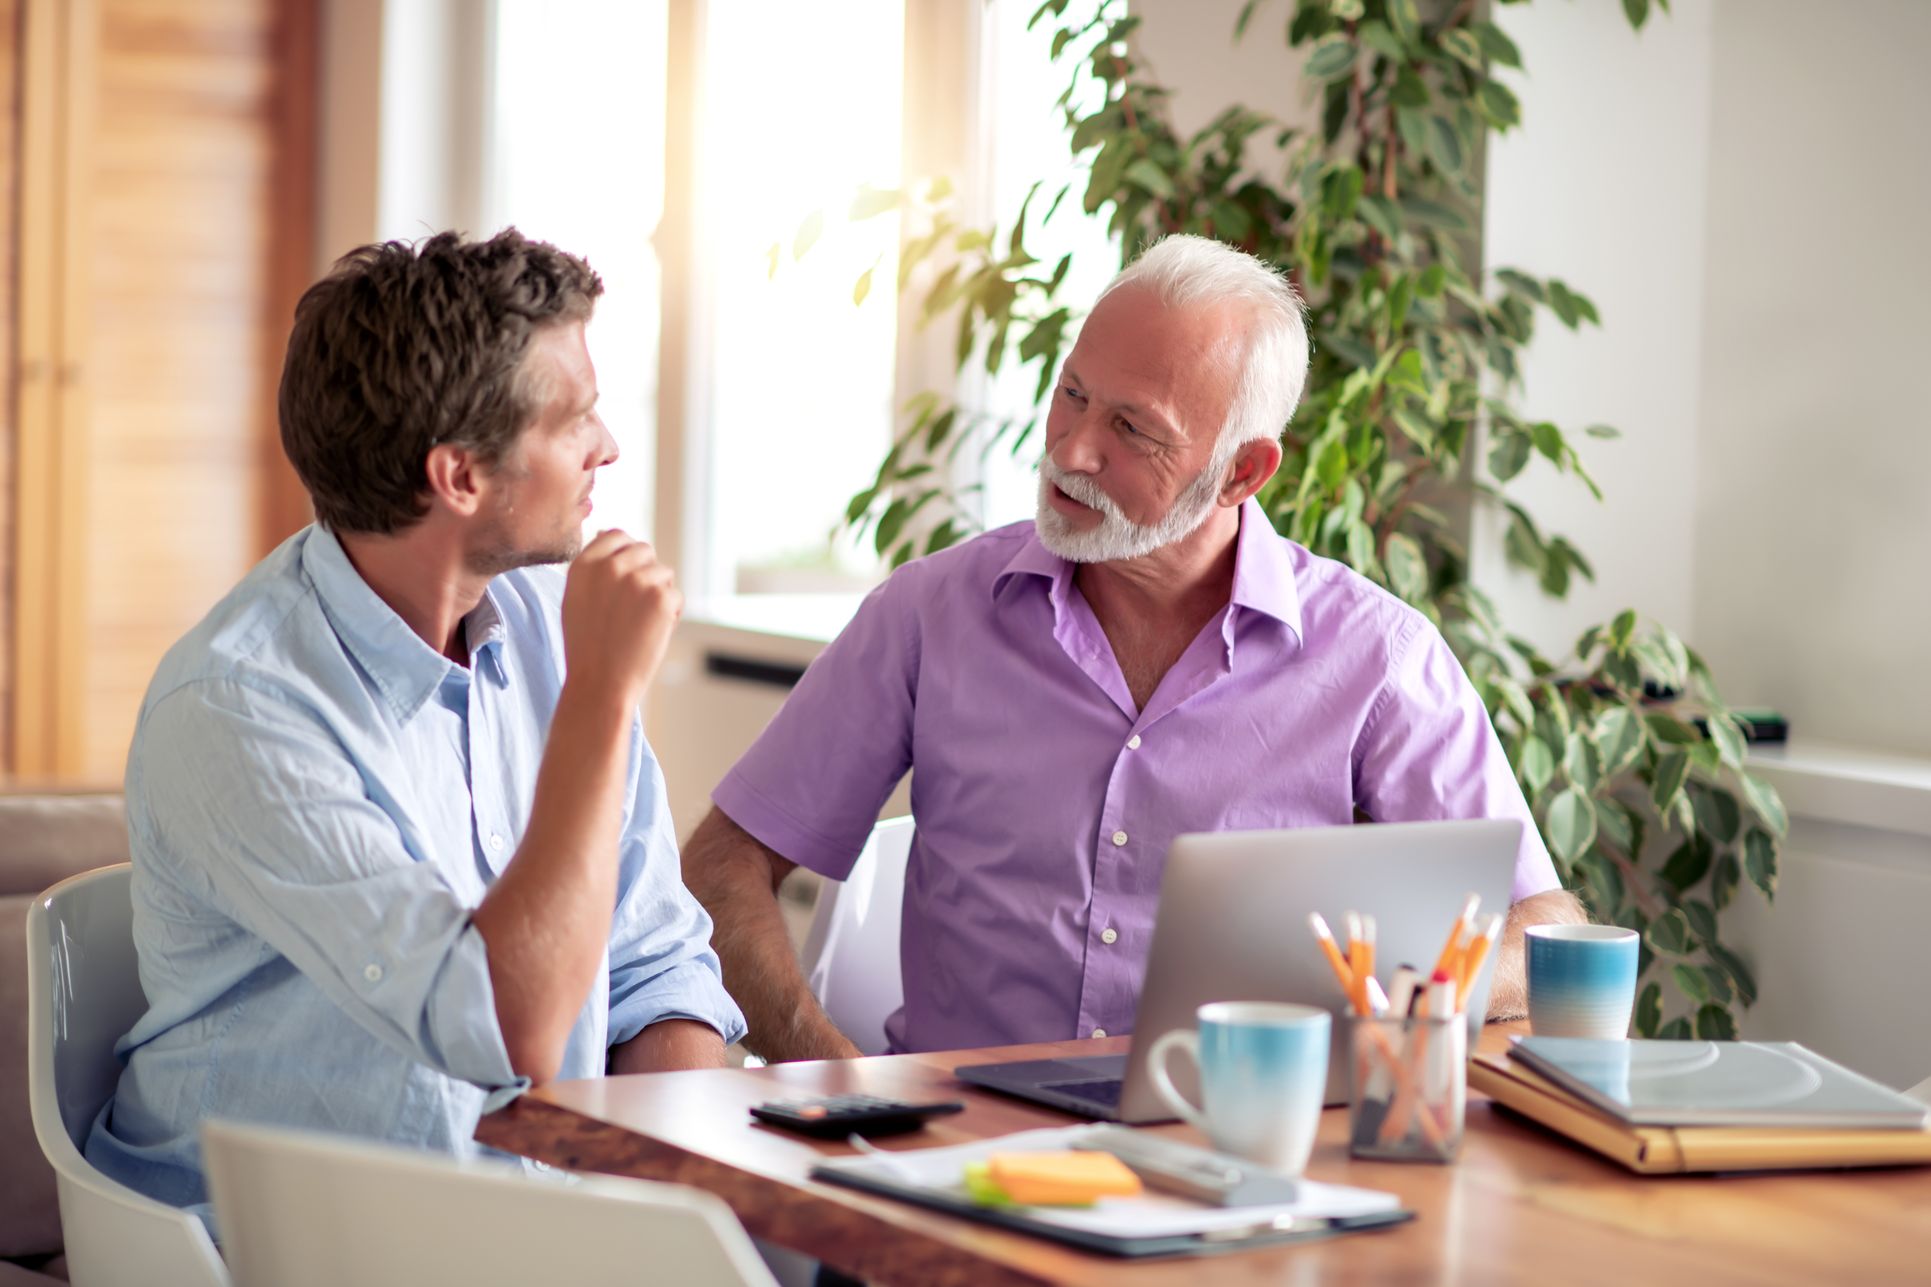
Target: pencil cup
1410 1088
1582 980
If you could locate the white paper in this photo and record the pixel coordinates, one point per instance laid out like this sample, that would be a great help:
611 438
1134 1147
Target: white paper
1150 1215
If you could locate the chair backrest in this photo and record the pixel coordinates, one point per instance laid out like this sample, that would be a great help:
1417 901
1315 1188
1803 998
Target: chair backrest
298 1209
851 951
83 994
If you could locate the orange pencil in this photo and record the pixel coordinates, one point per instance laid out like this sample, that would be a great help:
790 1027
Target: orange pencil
1325 937
1478 950
1364 974
1465 925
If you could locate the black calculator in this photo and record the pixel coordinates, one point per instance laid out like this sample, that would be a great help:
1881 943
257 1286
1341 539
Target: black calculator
836 1116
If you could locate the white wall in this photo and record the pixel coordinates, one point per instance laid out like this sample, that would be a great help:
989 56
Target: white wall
1739 187
1602 186
1813 530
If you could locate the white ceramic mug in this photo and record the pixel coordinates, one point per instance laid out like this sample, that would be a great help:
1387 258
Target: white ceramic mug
1263 1073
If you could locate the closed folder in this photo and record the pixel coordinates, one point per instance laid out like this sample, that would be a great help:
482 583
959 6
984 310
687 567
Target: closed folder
1667 1150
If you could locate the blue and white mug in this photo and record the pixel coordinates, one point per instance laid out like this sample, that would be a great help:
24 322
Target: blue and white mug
1582 980
1263 1075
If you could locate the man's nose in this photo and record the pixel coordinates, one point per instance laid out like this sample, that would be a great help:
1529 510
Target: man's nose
1076 449
607 449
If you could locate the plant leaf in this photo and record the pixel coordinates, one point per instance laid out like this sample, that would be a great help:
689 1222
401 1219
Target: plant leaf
1620 737
1687 864
1760 861
1765 802
1537 765
1672 767
1649 1010
1714 1022
1669 933
1572 824
1690 981
807 235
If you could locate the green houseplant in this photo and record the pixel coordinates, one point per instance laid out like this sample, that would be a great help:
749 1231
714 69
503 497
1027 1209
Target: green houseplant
1633 766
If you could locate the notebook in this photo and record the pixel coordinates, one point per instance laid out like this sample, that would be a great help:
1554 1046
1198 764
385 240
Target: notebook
1152 1224
1718 1083
1673 1150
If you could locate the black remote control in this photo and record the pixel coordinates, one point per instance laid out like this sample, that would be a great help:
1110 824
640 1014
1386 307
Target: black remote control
837 1116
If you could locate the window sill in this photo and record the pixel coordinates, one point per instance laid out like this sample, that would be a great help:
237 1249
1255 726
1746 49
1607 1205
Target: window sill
1830 782
811 618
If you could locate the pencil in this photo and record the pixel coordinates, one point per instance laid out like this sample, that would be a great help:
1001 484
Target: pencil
1464 925
1325 937
1478 950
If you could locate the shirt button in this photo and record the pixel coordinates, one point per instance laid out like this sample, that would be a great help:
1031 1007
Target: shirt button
1109 935
373 973
495 843
1119 837
1133 743
1099 1032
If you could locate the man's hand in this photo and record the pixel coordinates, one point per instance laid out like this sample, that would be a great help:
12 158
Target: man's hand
619 608
1508 993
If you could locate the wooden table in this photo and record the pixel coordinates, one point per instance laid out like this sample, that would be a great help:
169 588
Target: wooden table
1521 1205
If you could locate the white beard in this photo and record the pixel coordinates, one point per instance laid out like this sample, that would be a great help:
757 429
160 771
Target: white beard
1118 537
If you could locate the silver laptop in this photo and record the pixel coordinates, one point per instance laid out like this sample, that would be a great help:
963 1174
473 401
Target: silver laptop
1232 926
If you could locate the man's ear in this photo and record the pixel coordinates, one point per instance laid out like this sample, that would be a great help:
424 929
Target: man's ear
1253 465
456 479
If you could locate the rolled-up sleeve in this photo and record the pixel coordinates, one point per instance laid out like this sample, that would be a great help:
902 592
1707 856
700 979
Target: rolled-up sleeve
290 846
662 965
1428 752
812 784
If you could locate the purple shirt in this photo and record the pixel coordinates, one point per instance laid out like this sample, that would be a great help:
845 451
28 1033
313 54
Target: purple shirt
1045 799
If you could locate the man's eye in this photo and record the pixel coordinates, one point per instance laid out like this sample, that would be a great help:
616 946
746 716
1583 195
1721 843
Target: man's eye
1126 427
1072 393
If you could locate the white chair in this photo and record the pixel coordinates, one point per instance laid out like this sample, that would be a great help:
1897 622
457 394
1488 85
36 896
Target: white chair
84 992
851 951
299 1209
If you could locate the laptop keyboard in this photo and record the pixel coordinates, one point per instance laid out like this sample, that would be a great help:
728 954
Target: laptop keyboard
1105 1091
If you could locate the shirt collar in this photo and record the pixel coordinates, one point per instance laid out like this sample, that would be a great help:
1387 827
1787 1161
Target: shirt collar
406 671
1263 570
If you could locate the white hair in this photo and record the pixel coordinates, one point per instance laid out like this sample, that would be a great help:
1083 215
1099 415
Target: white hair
1184 270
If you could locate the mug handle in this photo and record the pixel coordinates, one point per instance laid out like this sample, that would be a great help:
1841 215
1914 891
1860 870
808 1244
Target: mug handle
1179 1038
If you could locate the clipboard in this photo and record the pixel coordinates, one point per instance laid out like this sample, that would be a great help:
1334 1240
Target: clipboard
1675 1150
1156 1225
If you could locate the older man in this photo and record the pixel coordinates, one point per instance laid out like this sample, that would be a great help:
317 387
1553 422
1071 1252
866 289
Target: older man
1147 658
400 848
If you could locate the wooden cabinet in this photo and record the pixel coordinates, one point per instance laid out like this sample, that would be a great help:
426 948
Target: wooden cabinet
162 152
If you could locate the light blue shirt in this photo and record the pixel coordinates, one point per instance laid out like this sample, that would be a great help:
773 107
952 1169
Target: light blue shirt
317 801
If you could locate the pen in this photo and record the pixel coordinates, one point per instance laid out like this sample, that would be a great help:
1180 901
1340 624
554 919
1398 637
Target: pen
1478 951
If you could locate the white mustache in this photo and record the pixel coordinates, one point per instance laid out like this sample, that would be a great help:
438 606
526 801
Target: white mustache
1080 488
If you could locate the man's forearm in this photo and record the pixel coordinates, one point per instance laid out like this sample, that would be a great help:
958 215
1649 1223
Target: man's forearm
731 875
546 920
1508 993
669 1045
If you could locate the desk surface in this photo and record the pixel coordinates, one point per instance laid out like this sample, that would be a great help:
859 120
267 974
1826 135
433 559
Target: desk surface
1521 1205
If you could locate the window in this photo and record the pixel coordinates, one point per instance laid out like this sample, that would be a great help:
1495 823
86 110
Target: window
574 155
782 393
